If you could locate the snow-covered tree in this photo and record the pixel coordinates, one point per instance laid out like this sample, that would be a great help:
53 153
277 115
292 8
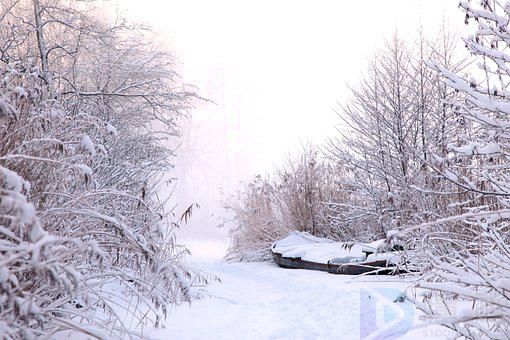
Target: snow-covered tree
470 285
395 116
85 242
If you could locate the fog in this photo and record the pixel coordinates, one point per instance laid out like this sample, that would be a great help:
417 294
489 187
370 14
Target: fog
275 72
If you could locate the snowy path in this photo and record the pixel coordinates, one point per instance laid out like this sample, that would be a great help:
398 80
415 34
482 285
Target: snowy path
263 301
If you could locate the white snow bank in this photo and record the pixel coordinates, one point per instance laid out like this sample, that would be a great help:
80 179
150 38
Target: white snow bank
320 250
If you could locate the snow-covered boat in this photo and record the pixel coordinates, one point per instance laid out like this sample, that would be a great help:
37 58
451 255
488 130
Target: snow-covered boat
301 250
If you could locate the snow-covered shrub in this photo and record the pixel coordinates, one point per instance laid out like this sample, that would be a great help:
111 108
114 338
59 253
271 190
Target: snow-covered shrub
470 289
297 197
468 283
85 242
254 222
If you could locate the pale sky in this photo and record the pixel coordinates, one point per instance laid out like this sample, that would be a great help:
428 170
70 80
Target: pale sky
275 68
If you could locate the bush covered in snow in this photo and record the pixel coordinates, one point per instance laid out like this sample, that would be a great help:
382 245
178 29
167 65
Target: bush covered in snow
295 198
468 286
85 242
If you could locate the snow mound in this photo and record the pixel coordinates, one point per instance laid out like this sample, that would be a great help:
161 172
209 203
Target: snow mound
300 238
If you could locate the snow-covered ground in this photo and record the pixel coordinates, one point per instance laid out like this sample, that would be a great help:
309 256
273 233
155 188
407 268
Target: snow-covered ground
263 301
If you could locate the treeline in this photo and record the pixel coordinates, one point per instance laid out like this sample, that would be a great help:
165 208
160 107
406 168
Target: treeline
85 241
423 155
376 175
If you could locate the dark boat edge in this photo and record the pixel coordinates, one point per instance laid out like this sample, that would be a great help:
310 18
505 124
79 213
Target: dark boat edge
369 268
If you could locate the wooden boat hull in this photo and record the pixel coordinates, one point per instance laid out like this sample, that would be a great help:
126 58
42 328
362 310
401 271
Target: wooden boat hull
370 268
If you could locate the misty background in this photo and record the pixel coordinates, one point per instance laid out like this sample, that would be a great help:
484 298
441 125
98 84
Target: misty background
275 72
